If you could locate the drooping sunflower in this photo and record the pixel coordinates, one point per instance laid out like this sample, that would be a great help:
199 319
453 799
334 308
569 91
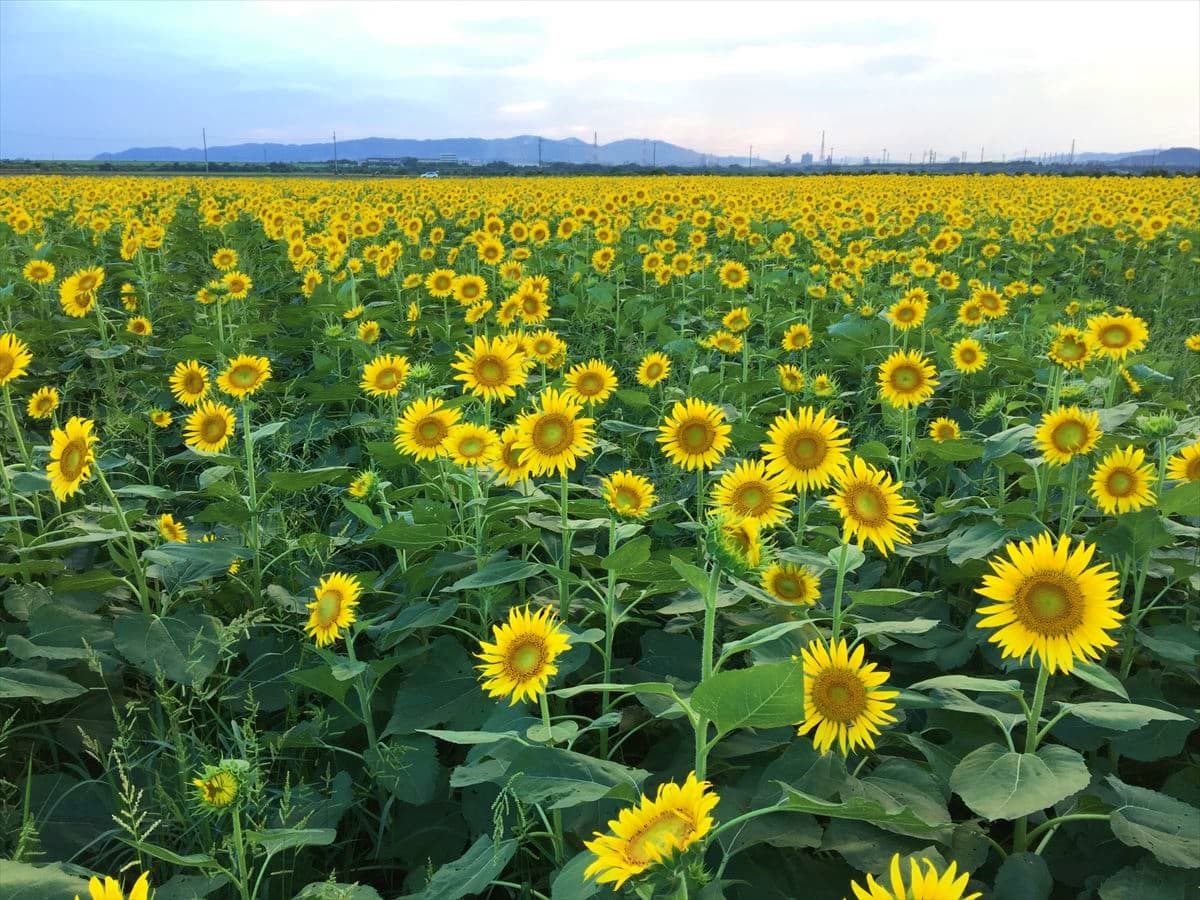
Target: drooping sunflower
733 275
969 356
906 379
737 319
189 382
554 436
921 885
469 444
244 375
628 494
209 427
110 888
944 429
652 831
844 699
1123 481
368 331
590 383
491 368
805 448
1067 432
749 491
385 375
507 466
797 337
15 357
519 661
742 540
654 368
1185 465
872 507
423 427
333 609
42 403
1117 336
790 583
791 379
695 435
1050 602
72 456
1071 348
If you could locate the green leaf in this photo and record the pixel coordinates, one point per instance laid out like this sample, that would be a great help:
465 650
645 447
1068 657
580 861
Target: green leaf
563 779
1099 677
152 491
1005 442
764 696
569 883
885 596
184 564
275 840
266 430
1168 828
45 687
857 809
326 890
958 450
184 646
408 769
502 572
968 683
693 575
1120 716
634 399
998 783
309 478
402 535
629 555
472 872
1183 498
660 688
1023 876
22 881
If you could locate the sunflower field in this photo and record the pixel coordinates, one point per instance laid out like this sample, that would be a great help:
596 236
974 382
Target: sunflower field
568 538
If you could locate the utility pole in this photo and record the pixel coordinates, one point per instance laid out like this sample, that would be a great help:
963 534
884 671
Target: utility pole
830 154
335 153
595 148
539 152
204 137
885 156
1072 160
654 154
910 157
822 145
750 158
981 154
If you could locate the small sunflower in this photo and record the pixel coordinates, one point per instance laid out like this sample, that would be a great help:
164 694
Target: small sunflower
791 379
333 609
1067 432
492 368
554 437
737 319
1071 348
872 507
654 368
590 383
72 456
1193 342
38 271
790 583
970 313
906 314
906 379
225 258
520 660
217 787
653 831
969 356
797 337
189 382
368 331
695 435
209 427
171 530
140 326
1117 336
385 375
544 346
244 375
238 284
1185 465
627 494
160 418
1123 482
944 429
844 699
14 357
507 466
749 491
921 885
42 403
733 275
806 448
1050 602
469 444
423 427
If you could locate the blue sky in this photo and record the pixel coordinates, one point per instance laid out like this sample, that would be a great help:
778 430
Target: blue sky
78 77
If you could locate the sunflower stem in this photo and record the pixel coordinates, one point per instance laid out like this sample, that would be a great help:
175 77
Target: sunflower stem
836 624
239 847
610 628
1021 829
564 595
364 695
131 547
252 490
555 814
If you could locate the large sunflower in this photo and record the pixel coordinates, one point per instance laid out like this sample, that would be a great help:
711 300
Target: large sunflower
189 382
591 382
748 491
652 831
209 427
844 703
871 506
906 379
72 456
969 356
695 435
1117 336
806 448
790 583
14 357
1123 482
491 368
554 437
520 660
653 368
627 494
385 375
1066 433
244 375
921 885
1050 602
1185 465
423 427
469 444
333 609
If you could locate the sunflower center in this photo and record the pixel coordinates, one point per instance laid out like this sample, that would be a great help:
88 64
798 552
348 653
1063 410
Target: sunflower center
1069 436
430 432
212 429
696 436
526 657
751 499
839 695
1071 350
193 382
441 283
471 446
553 434
1121 483
530 305
670 826
1049 603
945 432
590 384
805 450
626 499
968 355
788 586
867 505
654 370
906 314
72 460
512 456
329 604
1193 469
243 376
906 378
1115 336
387 378
490 371
7 364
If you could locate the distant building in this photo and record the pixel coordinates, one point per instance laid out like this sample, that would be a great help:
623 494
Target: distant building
806 159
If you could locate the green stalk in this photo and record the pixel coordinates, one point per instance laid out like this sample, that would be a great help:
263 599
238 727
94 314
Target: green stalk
556 814
1021 829
239 846
564 596
610 628
252 489
364 696
836 627
131 547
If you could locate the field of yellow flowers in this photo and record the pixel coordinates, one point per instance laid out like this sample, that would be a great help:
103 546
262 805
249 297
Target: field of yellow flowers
568 538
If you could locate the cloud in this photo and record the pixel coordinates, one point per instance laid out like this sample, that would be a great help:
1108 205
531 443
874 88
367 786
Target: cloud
525 108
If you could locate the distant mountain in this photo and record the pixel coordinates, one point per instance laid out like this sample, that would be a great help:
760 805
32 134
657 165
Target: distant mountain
1174 158
521 150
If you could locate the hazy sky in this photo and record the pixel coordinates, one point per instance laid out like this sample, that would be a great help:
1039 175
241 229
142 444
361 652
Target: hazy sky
78 77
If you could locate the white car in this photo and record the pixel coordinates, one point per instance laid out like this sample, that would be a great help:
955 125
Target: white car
429 174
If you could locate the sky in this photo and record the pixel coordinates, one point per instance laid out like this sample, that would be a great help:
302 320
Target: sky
79 77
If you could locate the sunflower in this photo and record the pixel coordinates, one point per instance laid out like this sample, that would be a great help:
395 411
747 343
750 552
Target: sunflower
469 289
627 494
353 312
423 427
872 507
906 314
490 252
1067 432
140 326
333 609
172 531
654 368
440 283
160 418
110 888
189 382
737 319
805 448
225 258
790 583
653 831
791 379
1185 465
591 382
553 437
1117 336
927 885
695 435
843 700
519 662
209 427
906 379
1122 482
1048 603
385 375
72 456
77 292
970 313
968 356
544 346
742 540
244 375
368 331
725 341
530 303
216 788
507 465
363 485
469 444
492 368
1193 342
238 284
797 337
944 429
1071 348
733 275
38 271
993 304
42 403
14 357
